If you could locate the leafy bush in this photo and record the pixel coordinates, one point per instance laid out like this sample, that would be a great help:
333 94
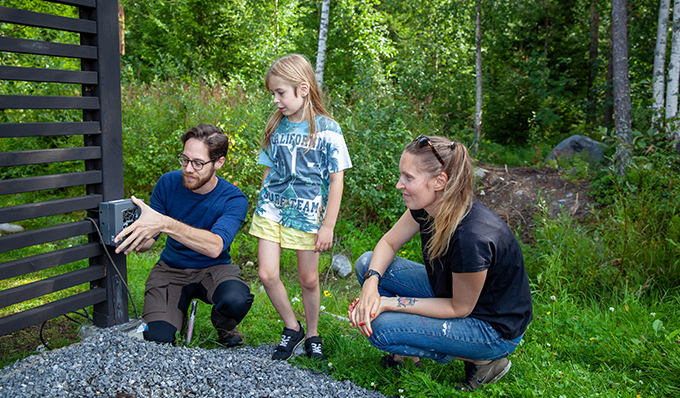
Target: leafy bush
632 241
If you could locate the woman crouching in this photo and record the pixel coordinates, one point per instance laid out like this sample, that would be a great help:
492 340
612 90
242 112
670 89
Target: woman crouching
471 300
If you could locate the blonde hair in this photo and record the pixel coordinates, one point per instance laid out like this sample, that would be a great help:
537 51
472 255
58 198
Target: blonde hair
295 69
456 198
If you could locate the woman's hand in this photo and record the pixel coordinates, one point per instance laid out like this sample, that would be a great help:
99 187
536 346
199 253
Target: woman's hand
364 309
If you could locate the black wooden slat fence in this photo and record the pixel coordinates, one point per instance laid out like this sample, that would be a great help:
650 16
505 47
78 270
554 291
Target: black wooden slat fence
101 169
23 158
47 75
48 129
36 47
47 102
46 286
46 311
29 18
45 235
49 208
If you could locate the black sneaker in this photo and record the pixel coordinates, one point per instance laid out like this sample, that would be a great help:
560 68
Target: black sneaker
313 348
476 375
290 340
229 338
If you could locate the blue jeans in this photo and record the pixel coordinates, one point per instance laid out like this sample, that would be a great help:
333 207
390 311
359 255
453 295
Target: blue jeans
419 336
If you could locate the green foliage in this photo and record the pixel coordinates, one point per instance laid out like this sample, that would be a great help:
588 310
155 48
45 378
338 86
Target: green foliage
155 116
631 243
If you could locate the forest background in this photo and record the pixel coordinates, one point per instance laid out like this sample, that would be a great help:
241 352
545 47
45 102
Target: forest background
605 289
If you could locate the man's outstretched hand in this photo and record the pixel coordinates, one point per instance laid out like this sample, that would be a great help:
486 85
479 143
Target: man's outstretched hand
140 235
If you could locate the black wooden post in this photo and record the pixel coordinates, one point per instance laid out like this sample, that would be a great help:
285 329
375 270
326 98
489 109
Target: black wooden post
115 309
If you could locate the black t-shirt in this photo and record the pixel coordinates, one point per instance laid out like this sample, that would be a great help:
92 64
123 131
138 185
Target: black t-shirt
481 242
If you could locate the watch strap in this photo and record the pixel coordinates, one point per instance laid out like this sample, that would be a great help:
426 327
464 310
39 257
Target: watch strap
372 272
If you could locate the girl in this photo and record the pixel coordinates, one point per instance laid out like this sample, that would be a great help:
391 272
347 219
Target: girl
305 154
471 299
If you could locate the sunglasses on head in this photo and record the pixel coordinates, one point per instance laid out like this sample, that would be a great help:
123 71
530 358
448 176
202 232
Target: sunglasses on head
423 140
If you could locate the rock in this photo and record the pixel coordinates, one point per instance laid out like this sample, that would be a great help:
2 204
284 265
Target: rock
10 228
341 265
578 144
479 172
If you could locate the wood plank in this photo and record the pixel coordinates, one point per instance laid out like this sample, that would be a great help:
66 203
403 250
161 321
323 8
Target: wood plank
8 130
52 181
22 158
47 102
48 208
39 262
47 75
53 284
34 237
82 3
40 20
37 47
34 316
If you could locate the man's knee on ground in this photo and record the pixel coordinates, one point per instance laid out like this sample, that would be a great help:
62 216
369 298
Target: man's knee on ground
232 299
160 332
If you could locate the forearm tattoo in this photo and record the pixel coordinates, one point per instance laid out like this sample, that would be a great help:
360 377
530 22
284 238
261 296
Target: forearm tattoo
405 302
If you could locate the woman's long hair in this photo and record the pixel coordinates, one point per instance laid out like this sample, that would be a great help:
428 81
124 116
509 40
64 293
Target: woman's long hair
295 69
455 200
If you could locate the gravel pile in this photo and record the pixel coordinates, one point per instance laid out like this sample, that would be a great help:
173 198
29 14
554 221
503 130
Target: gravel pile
114 364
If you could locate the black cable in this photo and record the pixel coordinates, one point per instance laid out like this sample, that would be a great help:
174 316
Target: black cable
42 340
87 315
69 318
106 250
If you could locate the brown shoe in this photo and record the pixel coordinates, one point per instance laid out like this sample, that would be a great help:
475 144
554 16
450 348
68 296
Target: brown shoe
476 375
229 338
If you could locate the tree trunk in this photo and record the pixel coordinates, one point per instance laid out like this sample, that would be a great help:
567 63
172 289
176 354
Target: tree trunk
121 29
323 38
673 77
622 107
673 66
592 62
609 96
478 71
659 61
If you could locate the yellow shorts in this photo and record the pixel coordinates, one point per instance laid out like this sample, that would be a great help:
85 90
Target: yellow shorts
288 238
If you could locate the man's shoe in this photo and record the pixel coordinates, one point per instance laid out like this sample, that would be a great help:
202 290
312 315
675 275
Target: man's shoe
476 375
313 348
229 338
290 340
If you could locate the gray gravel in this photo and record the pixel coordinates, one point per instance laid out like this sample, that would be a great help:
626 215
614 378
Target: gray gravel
114 364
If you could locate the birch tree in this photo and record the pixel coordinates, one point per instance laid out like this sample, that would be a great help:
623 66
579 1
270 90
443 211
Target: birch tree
478 71
673 66
622 106
592 61
660 60
323 38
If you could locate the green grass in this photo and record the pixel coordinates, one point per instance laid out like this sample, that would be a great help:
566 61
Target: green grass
578 345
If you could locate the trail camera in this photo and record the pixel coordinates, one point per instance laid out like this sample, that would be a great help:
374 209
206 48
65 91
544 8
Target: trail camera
116 215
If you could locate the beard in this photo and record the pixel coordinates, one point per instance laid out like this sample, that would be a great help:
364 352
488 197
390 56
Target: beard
195 184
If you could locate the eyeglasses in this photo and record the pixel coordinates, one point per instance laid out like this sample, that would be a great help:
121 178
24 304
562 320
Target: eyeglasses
421 141
196 164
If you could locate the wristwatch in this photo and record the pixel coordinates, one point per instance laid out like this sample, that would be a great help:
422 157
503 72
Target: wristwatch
370 273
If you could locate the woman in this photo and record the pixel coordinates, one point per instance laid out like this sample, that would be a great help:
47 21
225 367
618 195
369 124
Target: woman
471 300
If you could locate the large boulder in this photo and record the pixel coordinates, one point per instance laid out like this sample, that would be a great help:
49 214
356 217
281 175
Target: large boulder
577 145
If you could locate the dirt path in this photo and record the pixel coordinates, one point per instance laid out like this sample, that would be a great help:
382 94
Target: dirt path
513 193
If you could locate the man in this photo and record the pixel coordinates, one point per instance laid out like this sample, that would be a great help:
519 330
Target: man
200 213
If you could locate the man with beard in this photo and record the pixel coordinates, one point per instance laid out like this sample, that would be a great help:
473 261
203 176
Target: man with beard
200 213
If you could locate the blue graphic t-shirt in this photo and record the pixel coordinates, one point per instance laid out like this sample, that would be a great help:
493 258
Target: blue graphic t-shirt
295 192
